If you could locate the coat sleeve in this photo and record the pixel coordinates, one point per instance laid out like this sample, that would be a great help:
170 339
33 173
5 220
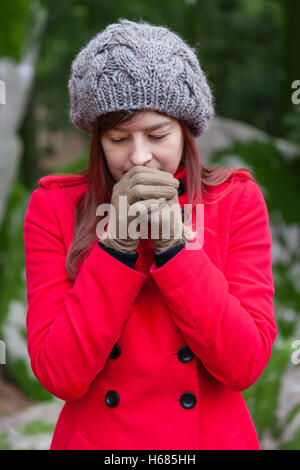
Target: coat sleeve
71 326
227 318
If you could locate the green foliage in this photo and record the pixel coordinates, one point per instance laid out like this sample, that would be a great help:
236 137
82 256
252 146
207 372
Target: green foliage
4 445
38 426
273 171
18 371
13 288
29 436
15 22
291 124
293 444
75 166
277 176
292 414
13 304
262 396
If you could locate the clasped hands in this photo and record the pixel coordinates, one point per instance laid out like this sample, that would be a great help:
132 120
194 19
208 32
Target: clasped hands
153 193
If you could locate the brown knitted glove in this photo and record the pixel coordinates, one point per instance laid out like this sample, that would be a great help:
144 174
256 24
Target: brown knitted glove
170 229
140 187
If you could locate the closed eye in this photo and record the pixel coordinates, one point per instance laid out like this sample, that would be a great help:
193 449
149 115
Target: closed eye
154 137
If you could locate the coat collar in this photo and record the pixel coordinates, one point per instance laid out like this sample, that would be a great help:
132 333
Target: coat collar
57 181
53 181
180 173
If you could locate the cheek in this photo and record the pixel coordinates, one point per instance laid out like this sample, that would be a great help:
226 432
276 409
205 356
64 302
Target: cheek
173 150
175 143
114 157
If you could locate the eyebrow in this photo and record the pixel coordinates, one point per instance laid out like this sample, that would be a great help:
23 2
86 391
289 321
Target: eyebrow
157 126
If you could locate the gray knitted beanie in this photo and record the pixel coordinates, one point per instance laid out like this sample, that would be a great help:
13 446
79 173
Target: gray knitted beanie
135 65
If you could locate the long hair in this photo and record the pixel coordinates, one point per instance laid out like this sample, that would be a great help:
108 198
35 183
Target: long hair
100 184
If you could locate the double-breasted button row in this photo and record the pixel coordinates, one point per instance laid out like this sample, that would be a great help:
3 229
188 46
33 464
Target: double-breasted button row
112 397
115 352
184 354
187 399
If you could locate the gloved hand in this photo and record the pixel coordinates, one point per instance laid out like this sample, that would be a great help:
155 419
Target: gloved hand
138 185
170 228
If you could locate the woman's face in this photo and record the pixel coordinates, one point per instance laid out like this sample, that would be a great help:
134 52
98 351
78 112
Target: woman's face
135 143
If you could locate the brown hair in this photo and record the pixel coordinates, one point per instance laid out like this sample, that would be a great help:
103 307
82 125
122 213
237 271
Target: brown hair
100 184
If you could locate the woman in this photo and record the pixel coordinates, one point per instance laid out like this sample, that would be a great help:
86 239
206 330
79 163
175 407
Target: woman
150 340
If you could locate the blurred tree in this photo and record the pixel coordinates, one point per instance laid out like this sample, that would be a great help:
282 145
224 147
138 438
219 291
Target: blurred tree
244 74
13 29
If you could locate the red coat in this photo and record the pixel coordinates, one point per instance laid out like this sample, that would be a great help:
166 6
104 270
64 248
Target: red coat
152 358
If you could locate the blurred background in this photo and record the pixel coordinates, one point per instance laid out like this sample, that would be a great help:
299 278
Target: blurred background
249 50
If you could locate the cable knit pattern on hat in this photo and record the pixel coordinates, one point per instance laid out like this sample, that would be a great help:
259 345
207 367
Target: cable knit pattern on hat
135 65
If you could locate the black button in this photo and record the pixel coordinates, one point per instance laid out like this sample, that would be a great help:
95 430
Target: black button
188 400
185 354
112 398
115 352
181 188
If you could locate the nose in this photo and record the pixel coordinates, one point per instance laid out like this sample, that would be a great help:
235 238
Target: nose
140 154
